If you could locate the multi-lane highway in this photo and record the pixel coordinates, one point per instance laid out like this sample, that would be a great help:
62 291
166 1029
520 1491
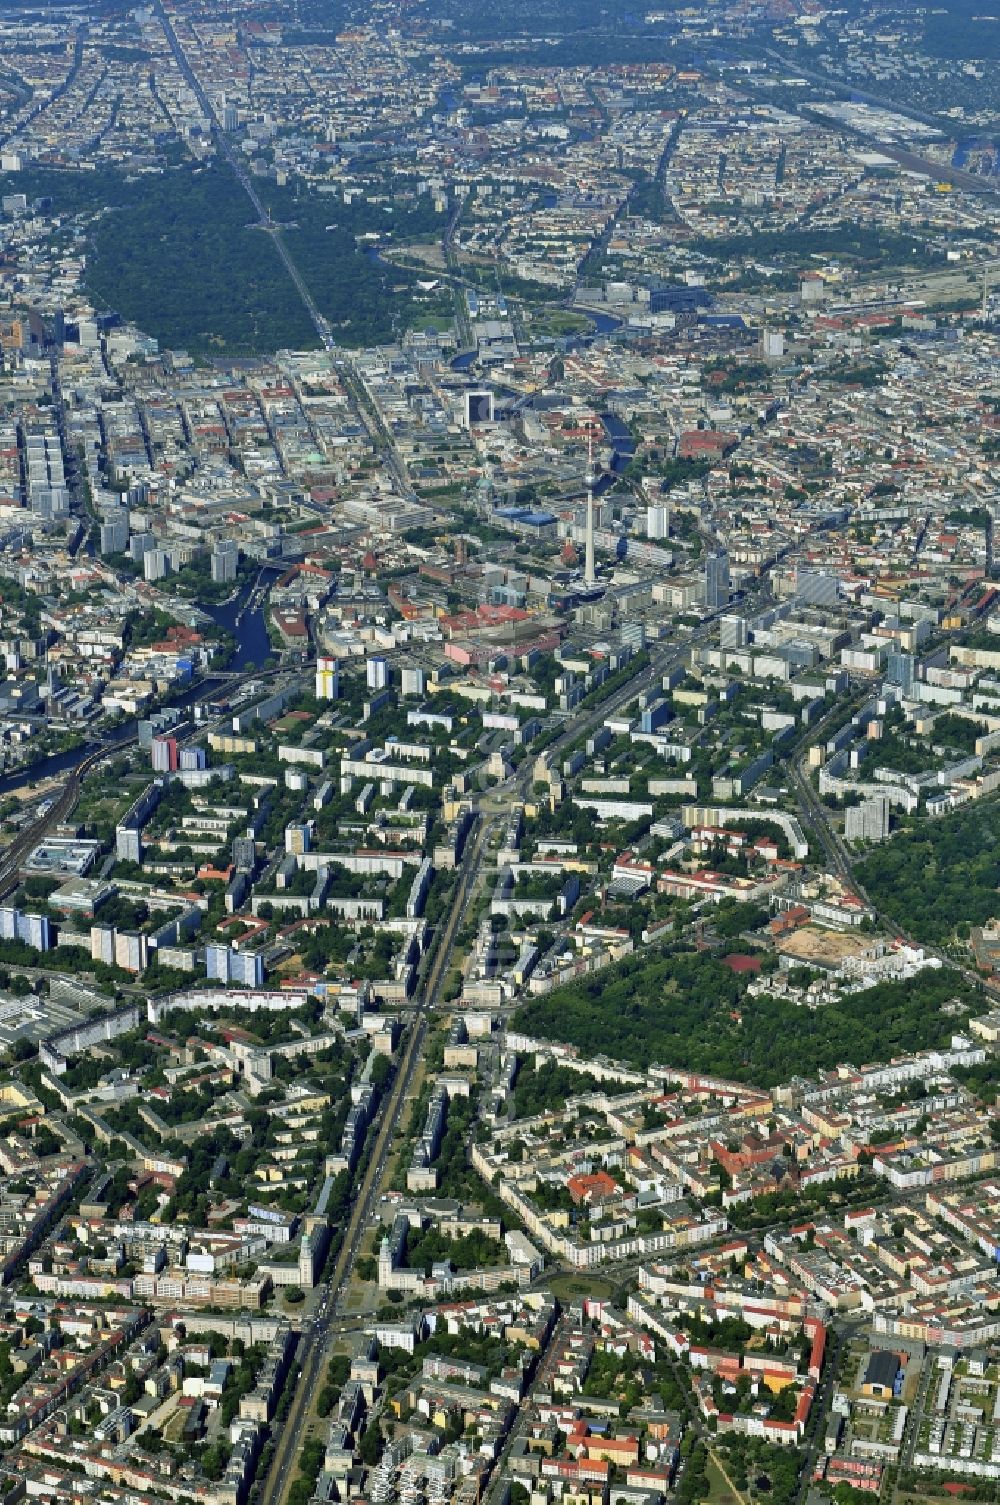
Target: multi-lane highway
318 1339
242 175
382 441
320 1336
381 438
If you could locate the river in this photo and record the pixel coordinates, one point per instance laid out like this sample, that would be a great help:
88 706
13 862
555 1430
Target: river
253 646
603 324
623 448
252 642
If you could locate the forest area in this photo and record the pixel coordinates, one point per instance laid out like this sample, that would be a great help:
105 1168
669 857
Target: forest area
179 253
940 878
688 1010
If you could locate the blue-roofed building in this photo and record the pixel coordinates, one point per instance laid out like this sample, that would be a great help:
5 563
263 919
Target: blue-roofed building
529 521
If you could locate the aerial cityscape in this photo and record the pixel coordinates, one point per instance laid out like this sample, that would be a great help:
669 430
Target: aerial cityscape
499 752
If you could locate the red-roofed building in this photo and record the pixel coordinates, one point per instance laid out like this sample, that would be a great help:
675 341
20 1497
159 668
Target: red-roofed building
621 1451
292 627
705 444
790 919
592 1190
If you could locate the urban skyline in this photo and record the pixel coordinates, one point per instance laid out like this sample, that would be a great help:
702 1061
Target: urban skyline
499 753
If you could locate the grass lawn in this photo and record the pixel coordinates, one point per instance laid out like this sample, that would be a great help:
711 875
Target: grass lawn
935 1492
719 1492
558 321
577 1287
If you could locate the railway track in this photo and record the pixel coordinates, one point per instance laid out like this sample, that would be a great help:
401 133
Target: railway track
14 854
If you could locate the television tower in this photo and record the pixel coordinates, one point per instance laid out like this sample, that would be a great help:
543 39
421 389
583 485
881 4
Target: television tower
589 573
